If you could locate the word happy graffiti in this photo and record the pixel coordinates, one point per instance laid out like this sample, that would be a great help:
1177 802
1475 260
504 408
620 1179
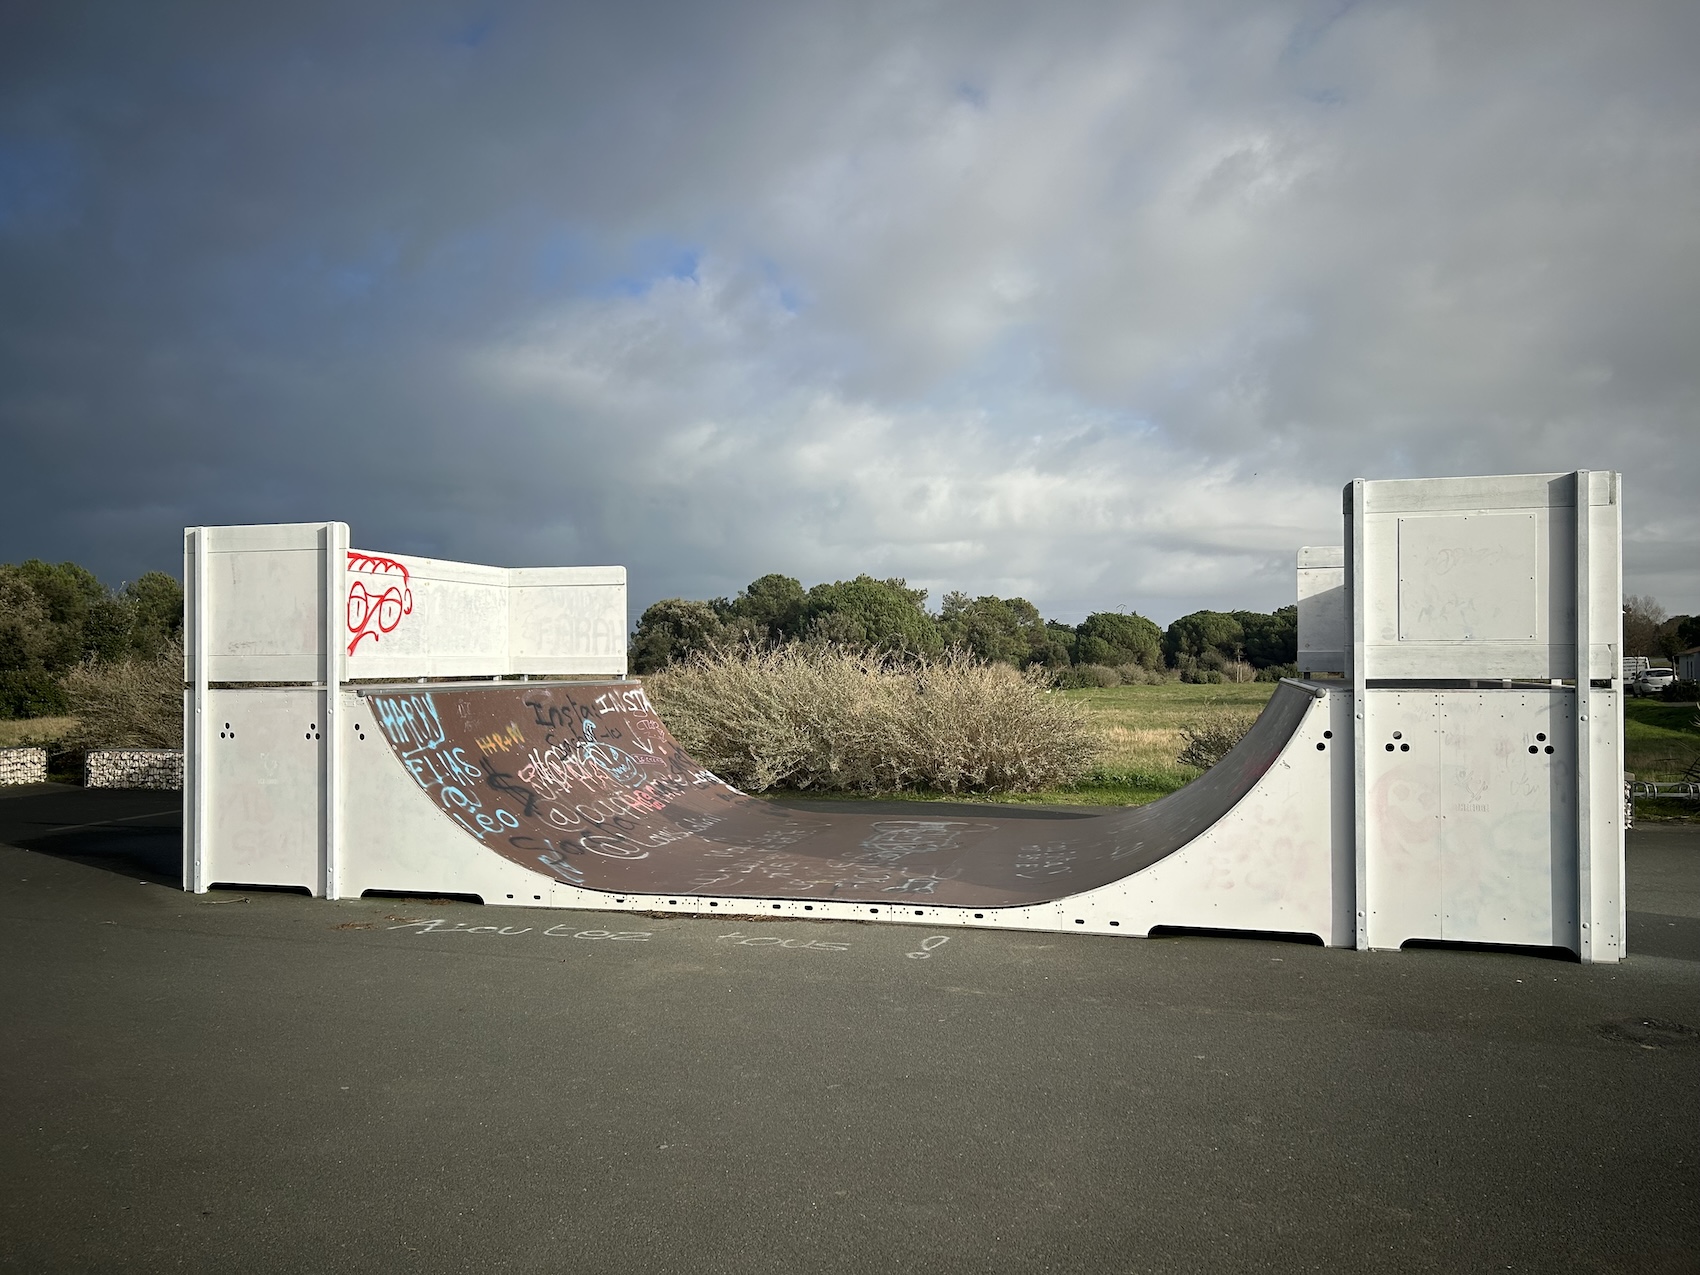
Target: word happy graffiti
415 728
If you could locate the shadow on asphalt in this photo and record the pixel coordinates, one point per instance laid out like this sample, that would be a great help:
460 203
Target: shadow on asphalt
135 834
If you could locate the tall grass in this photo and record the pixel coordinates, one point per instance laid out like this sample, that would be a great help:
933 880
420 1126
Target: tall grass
130 703
826 718
1208 738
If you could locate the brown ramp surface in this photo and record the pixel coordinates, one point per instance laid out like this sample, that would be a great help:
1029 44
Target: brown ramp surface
581 782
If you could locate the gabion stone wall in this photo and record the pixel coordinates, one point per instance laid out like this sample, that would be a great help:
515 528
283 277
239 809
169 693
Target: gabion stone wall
133 768
23 765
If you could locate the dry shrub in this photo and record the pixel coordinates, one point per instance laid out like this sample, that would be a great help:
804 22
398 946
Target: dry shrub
833 719
1139 675
133 703
1094 675
1206 739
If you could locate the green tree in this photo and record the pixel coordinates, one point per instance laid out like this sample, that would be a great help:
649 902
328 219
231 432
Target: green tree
885 615
674 629
772 609
56 617
1210 636
1270 639
1000 630
155 601
1113 638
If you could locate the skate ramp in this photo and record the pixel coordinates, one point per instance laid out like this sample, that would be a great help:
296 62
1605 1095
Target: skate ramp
582 783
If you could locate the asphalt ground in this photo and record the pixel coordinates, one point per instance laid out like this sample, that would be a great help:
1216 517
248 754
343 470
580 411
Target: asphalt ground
257 1081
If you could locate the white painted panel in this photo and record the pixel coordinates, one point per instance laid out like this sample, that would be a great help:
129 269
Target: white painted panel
265 603
1279 860
1605 592
1470 578
1447 596
423 617
1402 792
1508 817
1423 660
1604 876
264 775
1324 627
559 623
1468 493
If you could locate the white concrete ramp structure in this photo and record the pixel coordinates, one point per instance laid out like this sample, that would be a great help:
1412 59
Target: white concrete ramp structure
281 618
355 726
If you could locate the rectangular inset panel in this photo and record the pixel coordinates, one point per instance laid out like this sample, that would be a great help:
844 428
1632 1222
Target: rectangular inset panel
1508 817
265 602
265 763
567 626
1470 578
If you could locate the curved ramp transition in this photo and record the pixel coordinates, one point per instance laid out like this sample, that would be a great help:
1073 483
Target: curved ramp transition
581 783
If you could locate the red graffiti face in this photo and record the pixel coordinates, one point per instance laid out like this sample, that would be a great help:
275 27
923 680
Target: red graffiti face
378 608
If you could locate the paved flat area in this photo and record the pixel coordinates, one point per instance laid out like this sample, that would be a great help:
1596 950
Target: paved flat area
264 1082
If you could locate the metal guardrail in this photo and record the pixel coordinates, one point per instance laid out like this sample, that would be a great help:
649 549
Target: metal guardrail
1647 788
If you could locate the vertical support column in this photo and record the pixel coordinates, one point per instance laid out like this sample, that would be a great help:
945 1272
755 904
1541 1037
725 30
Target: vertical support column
1584 730
336 604
1356 601
196 796
1615 479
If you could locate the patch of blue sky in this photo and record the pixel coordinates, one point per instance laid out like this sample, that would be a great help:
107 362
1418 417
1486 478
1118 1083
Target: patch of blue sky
348 277
783 288
1313 28
644 264
39 182
973 94
473 32
564 260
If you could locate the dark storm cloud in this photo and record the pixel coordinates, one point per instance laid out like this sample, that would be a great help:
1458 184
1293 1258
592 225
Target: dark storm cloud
1100 304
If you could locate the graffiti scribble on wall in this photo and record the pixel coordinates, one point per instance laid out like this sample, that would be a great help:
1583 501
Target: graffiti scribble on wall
376 608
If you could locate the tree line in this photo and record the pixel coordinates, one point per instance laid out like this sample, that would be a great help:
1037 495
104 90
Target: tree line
56 618
889 616
1649 631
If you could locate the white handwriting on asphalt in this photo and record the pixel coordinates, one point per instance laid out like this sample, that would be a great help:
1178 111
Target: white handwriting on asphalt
927 946
805 945
554 931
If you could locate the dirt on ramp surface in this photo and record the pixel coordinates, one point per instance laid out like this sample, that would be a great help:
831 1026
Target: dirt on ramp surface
582 783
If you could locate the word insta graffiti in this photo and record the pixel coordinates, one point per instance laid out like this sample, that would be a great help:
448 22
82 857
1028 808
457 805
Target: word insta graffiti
371 614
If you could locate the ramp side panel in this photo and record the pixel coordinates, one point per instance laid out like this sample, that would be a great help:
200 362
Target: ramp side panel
1278 860
397 835
477 806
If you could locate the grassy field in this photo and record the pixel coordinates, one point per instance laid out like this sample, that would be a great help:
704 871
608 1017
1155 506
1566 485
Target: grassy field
1140 729
33 732
1660 741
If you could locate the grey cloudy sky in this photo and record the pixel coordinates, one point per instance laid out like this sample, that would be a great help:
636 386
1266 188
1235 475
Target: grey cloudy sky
1095 303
